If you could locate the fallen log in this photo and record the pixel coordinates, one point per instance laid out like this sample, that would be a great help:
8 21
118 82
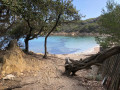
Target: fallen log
72 66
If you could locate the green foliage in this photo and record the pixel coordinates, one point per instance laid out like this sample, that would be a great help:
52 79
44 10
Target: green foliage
19 30
110 23
86 26
5 22
42 12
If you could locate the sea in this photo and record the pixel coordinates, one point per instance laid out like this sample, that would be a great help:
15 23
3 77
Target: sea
62 44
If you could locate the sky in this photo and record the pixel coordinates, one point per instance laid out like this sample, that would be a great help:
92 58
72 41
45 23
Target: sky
90 8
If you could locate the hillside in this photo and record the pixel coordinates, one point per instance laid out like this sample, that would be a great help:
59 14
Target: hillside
79 27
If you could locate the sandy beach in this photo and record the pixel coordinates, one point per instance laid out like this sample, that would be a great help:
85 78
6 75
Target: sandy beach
80 55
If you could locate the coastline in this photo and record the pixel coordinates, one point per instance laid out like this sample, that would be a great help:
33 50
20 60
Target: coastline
74 34
77 56
80 55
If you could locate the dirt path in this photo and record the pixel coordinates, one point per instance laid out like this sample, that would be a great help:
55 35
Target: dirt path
43 80
58 83
49 76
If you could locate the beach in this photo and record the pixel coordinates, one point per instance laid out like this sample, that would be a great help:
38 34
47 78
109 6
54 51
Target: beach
80 55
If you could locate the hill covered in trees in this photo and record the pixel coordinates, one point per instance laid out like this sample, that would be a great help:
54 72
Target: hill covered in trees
80 27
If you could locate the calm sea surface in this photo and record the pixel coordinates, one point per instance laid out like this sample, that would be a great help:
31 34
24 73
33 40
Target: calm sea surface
62 44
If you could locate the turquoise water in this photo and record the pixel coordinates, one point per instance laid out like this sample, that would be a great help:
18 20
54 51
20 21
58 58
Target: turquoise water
62 44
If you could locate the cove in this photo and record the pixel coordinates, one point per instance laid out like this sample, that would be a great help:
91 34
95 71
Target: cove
62 44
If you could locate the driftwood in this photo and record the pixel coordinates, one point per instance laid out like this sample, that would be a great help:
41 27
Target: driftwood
72 66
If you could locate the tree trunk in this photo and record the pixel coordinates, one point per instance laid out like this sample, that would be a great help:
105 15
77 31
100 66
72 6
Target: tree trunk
26 45
72 66
28 36
45 45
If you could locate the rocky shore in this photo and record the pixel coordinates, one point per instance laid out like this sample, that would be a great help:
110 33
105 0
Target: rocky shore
74 34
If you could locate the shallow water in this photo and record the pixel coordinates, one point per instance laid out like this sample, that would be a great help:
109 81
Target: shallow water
63 44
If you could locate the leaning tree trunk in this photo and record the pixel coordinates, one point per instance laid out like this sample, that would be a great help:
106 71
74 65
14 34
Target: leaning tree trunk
45 45
72 66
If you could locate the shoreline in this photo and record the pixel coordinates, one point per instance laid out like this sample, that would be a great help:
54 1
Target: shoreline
77 55
80 55
74 34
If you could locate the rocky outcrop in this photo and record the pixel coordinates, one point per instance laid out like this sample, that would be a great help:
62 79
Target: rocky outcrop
12 60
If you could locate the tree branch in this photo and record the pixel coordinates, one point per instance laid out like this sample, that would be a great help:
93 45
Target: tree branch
54 25
35 35
98 58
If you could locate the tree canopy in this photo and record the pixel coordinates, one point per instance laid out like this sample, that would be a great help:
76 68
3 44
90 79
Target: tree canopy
110 23
38 17
6 19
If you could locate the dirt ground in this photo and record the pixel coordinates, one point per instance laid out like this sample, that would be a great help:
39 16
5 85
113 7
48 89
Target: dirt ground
49 75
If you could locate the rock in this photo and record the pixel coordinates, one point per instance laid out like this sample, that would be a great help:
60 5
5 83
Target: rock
94 71
9 77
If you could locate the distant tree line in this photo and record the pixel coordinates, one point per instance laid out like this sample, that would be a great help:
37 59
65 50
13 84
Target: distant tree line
79 26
